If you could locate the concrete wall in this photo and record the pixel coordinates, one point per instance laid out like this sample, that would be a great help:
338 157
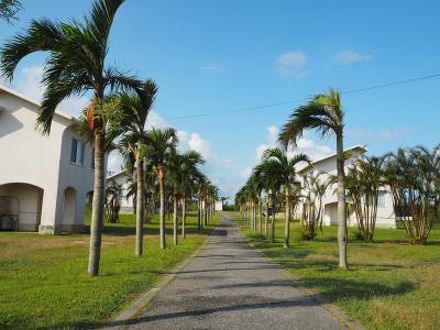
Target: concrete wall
127 204
42 160
25 201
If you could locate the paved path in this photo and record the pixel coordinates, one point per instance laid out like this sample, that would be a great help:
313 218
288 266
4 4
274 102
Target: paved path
228 285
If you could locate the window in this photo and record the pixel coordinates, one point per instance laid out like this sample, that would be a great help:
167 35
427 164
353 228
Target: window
77 152
381 199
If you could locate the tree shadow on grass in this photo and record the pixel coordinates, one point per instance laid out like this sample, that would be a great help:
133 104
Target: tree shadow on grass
337 288
123 230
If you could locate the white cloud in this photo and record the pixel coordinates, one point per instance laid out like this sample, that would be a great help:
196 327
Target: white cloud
212 67
197 143
28 82
311 148
156 121
273 132
271 139
304 145
260 151
246 172
182 136
292 63
348 56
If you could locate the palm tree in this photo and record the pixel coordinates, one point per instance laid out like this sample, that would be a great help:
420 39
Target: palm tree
9 9
324 114
200 184
314 189
189 174
413 177
113 197
363 182
283 167
159 144
272 183
76 64
135 108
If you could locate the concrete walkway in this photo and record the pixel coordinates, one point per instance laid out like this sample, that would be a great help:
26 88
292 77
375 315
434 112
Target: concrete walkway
228 285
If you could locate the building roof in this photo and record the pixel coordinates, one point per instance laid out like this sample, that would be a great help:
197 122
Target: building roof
32 101
114 175
358 147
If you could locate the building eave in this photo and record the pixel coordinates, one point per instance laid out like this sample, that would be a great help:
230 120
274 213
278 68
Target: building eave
116 174
58 113
363 149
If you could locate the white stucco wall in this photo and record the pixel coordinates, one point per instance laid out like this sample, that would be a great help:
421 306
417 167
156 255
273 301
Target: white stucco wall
41 160
127 204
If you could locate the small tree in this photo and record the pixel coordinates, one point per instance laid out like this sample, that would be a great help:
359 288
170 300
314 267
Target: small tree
413 176
363 182
314 189
113 197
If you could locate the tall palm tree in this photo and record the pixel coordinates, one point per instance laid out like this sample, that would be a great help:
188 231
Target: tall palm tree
135 110
283 167
201 183
272 183
181 166
76 64
189 176
324 114
159 144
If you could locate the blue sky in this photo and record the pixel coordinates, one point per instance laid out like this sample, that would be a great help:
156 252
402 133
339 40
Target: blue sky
210 56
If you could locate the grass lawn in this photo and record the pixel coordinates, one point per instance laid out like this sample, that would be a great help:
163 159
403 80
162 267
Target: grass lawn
44 281
390 285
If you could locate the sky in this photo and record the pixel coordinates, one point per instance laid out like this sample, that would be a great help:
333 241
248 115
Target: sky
227 55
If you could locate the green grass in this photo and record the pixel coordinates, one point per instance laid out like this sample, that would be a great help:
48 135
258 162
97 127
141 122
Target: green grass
390 285
44 281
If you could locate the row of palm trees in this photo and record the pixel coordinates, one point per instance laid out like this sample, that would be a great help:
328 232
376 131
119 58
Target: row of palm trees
411 174
324 114
76 64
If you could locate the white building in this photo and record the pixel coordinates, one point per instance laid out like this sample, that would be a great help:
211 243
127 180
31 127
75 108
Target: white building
121 178
219 205
44 179
327 167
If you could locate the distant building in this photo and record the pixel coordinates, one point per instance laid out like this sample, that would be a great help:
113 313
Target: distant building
327 167
219 205
121 178
44 179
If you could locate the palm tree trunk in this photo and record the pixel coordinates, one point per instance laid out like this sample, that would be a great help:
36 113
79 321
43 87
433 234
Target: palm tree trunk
266 216
287 220
162 213
140 204
205 211
175 217
199 212
97 205
342 223
273 223
183 215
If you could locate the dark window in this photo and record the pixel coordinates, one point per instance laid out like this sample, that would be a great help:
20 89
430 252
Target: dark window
77 152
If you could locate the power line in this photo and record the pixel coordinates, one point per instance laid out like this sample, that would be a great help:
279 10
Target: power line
389 84
276 104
